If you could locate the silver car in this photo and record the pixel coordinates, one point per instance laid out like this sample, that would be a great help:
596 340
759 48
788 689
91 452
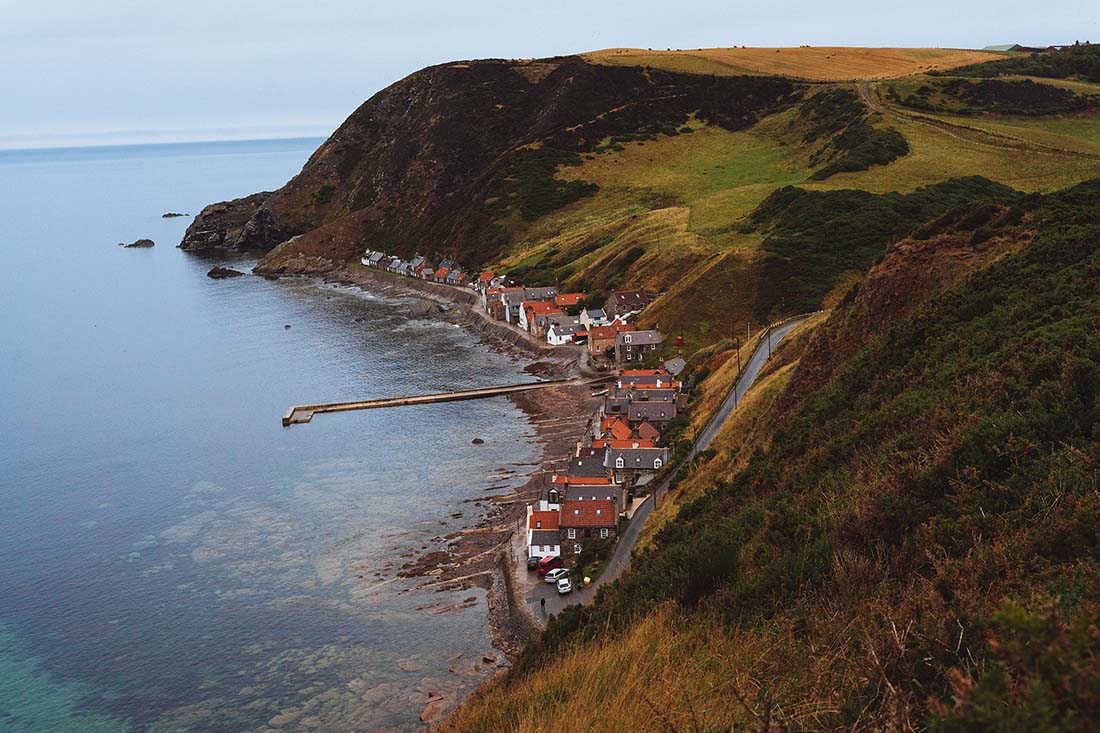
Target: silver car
556 574
564 586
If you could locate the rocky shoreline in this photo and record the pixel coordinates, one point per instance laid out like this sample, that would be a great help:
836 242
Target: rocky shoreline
481 555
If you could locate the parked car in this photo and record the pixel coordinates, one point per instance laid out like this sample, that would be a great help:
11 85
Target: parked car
532 563
564 586
548 563
556 574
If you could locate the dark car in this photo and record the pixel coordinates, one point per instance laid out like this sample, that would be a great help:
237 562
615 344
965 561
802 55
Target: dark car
532 563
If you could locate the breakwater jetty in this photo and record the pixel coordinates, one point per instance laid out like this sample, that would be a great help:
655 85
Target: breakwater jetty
304 413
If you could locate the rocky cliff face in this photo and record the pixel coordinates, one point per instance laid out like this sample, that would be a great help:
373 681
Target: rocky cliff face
454 157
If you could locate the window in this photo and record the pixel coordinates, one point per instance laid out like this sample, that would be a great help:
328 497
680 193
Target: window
538 524
571 534
619 462
603 533
626 338
577 549
656 463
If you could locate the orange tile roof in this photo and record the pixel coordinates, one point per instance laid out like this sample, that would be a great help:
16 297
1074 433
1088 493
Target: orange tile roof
441 272
598 513
541 307
609 331
645 373
620 430
581 480
627 443
566 299
646 430
548 520
487 276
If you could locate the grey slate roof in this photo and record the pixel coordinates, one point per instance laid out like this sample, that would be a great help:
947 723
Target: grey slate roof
566 330
548 537
639 338
675 365
539 293
636 458
652 411
590 466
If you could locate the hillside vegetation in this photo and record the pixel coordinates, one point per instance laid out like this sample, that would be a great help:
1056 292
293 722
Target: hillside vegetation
911 546
596 174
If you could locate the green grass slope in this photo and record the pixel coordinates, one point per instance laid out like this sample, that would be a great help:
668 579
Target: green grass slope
913 546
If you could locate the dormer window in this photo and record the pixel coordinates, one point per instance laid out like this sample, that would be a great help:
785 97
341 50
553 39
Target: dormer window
599 511
576 512
619 462
538 524
656 463
626 338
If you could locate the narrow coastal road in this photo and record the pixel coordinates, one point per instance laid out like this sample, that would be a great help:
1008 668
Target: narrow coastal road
620 559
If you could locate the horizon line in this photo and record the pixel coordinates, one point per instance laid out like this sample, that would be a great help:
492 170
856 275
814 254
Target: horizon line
155 143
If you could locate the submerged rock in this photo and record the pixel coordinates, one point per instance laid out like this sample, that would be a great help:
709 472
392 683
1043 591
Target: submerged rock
173 215
478 441
137 243
220 273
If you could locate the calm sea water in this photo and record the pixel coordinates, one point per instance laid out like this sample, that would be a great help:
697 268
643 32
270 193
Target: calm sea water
171 558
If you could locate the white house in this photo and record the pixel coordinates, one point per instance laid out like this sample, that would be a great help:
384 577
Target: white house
543 534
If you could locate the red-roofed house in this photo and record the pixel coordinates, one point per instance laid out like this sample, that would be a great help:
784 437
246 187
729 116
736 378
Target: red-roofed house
628 443
586 520
648 431
543 533
532 316
484 280
441 274
601 338
568 300
617 429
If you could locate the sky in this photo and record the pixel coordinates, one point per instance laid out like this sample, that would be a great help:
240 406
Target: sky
85 72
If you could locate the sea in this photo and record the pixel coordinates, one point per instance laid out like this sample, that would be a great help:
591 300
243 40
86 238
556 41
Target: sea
171 557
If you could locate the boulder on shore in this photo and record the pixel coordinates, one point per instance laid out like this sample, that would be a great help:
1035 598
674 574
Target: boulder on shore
173 215
220 273
137 243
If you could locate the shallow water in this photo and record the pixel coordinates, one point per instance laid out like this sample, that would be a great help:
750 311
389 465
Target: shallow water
171 557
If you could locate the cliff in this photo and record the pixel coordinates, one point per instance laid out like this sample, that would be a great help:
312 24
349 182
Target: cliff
456 157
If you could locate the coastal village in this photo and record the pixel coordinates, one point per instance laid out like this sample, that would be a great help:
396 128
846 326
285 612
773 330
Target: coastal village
582 508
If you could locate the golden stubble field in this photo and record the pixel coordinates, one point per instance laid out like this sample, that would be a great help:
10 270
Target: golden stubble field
817 63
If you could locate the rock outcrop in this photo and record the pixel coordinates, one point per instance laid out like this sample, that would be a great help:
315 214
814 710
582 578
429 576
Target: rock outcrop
228 226
138 243
220 273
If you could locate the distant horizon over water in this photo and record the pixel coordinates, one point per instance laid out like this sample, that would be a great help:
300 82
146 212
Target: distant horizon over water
162 143
172 557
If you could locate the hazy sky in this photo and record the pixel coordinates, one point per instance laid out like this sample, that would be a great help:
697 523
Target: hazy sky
87 71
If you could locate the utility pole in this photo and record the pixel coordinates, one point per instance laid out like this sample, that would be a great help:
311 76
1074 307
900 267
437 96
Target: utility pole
737 344
748 330
769 340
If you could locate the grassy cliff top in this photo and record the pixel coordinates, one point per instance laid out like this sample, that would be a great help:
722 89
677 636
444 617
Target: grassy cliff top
817 63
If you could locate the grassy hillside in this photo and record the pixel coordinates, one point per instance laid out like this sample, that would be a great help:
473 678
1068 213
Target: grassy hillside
672 207
812 63
913 545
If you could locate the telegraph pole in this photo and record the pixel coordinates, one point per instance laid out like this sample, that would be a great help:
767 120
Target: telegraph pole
769 340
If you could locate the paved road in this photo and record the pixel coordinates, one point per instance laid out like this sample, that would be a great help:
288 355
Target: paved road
620 559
